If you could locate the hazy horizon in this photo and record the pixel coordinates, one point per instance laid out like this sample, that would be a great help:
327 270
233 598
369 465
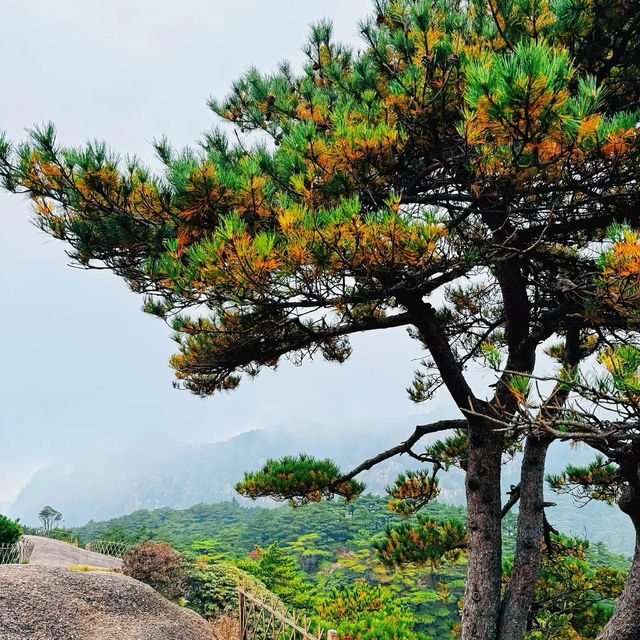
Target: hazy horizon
175 473
85 370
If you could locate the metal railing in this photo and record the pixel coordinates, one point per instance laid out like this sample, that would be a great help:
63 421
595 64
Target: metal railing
265 618
18 553
109 547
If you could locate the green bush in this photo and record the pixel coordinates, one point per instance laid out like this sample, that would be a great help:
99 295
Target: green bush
212 589
368 612
280 573
10 531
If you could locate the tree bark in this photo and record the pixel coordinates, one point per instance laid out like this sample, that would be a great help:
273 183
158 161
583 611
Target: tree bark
520 590
625 622
481 608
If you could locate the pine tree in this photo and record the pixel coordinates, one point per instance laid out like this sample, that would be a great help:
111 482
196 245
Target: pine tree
280 573
50 518
456 177
364 612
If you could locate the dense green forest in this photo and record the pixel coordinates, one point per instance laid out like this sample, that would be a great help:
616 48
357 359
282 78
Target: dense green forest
305 555
331 542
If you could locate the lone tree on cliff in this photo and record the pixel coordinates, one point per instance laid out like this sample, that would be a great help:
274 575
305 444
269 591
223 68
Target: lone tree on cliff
457 177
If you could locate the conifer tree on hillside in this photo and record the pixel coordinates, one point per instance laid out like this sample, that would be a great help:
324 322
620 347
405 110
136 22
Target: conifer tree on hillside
50 518
458 177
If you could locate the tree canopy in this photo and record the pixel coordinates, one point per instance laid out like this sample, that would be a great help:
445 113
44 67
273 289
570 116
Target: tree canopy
51 519
470 174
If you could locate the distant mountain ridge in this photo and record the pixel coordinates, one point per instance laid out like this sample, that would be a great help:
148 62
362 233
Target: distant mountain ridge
179 475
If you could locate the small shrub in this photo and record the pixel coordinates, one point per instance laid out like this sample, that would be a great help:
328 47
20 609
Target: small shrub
213 588
366 612
10 531
159 566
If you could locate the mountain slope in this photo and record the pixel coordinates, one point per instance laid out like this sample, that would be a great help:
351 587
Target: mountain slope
178 475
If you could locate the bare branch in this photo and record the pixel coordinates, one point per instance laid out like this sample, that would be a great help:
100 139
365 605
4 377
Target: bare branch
514 496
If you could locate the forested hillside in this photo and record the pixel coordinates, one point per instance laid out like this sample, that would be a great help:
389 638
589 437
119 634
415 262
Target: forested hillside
333 547
237 529
180 475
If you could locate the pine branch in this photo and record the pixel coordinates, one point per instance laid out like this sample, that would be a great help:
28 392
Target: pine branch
406 446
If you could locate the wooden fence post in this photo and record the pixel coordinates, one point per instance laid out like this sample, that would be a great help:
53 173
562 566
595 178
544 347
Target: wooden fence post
243 615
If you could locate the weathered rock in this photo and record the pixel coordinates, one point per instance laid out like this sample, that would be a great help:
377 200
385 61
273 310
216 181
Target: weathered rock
54 603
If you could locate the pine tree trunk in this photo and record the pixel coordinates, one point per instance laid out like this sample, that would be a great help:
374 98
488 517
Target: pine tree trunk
520 591
625 622
481 607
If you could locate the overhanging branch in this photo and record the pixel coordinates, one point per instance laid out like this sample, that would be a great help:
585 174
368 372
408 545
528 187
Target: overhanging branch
404 447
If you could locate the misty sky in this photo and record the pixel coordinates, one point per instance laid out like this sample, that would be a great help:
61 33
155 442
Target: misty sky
84 370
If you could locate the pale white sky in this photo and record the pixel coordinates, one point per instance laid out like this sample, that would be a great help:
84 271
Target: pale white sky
83 369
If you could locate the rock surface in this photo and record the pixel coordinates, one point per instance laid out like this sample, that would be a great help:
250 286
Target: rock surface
54 553
53 603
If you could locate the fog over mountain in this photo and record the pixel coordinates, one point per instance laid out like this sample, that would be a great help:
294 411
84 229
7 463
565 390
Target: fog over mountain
86 371
173 474
166 473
